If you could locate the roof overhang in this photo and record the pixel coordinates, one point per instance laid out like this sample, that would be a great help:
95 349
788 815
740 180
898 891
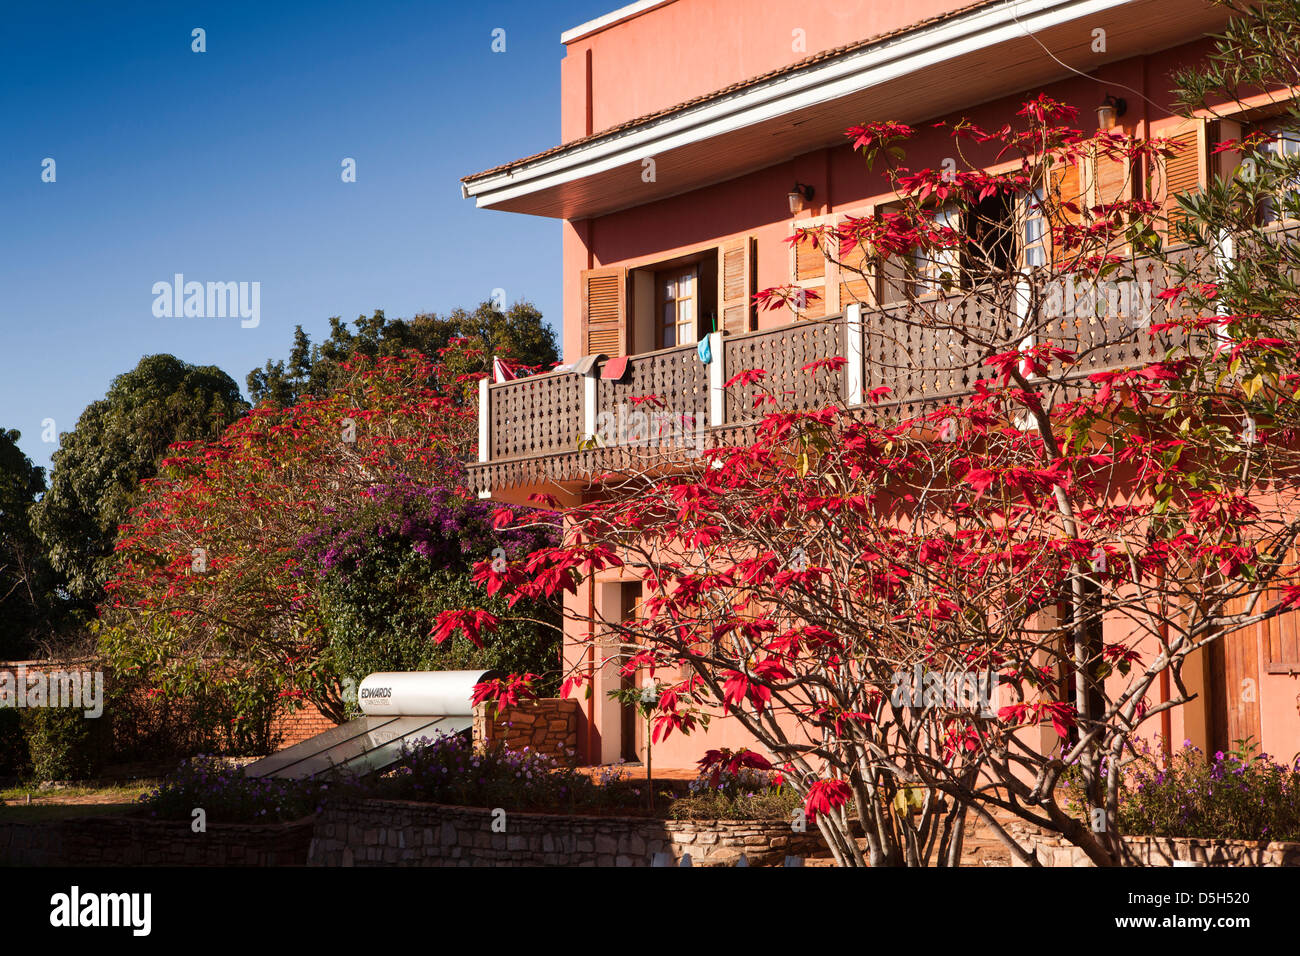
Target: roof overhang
948 65
610 19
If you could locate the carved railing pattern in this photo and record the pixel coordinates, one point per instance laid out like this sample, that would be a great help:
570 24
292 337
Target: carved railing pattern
782 354
537 415
540 429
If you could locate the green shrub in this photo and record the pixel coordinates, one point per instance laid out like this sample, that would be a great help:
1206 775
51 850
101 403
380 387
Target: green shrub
381 622
152 727
14 760
740 794
63 743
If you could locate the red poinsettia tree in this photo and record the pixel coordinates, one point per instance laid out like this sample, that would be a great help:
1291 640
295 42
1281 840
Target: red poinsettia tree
208 584
1075 469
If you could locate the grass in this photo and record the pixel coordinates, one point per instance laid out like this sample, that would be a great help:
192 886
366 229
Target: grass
47 812
87 799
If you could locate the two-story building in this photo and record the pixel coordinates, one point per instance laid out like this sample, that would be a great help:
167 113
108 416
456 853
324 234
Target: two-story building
697 134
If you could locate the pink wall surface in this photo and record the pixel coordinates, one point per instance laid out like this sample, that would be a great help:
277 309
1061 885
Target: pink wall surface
756 204
687 48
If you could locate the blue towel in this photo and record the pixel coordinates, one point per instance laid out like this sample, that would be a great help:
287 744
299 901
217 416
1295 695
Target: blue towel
705 350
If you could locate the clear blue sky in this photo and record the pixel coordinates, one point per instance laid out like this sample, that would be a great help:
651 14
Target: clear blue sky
225 166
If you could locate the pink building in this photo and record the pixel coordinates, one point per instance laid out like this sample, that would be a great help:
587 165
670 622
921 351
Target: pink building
696 134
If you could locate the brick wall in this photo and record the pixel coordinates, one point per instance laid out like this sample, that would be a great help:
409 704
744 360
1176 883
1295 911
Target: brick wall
289 727
548 725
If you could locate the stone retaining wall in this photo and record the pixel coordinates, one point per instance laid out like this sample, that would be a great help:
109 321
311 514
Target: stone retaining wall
128 841
401 833
548 725
1052 850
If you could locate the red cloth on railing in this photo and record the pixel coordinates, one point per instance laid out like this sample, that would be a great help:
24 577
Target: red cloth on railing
614 368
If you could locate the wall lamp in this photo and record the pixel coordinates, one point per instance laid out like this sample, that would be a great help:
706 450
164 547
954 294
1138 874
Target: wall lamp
1110 110
799 196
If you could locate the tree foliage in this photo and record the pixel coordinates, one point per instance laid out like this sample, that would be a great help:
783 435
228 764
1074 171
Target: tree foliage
309 543
116 445
389 565
517 334
26 582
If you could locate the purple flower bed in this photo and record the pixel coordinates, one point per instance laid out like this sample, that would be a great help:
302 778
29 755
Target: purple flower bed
226 795
1239 795
451 770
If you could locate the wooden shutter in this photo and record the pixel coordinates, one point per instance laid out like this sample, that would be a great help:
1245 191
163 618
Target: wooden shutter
1067 187
1110 180
809 268
736 271
604 311
1183 173
1282 641
855 274
1280 636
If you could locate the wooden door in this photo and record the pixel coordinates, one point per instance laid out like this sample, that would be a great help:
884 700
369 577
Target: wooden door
630 598
1234 687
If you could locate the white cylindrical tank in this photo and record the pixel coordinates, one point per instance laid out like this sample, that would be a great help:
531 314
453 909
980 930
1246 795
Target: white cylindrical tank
420 693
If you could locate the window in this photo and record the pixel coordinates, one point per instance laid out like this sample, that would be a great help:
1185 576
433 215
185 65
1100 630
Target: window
933 268
1003 233
991 250
677 307
1284 145
1034 234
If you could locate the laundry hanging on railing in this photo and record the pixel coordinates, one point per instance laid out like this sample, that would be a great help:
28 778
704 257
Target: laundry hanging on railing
614 368
705 350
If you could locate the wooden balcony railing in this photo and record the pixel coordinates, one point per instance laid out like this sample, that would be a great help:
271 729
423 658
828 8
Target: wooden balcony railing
566 427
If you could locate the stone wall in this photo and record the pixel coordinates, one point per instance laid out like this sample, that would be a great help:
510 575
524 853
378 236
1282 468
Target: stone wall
402 833
1052 850
130 841
548 725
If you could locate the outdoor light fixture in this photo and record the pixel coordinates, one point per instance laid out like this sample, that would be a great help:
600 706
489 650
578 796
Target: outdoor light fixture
798 196
1109 111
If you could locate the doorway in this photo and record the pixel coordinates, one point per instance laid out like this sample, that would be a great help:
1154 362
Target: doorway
629 720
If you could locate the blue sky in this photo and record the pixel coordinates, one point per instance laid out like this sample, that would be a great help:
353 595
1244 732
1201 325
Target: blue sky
225 166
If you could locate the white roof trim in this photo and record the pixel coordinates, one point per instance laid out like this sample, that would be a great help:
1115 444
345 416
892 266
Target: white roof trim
841 76
609 19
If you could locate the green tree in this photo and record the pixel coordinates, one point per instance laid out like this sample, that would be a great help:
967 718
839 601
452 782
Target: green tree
517 334
26 583
117 443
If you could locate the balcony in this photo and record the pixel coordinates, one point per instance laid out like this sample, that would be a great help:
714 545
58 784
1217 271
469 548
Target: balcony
563 430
